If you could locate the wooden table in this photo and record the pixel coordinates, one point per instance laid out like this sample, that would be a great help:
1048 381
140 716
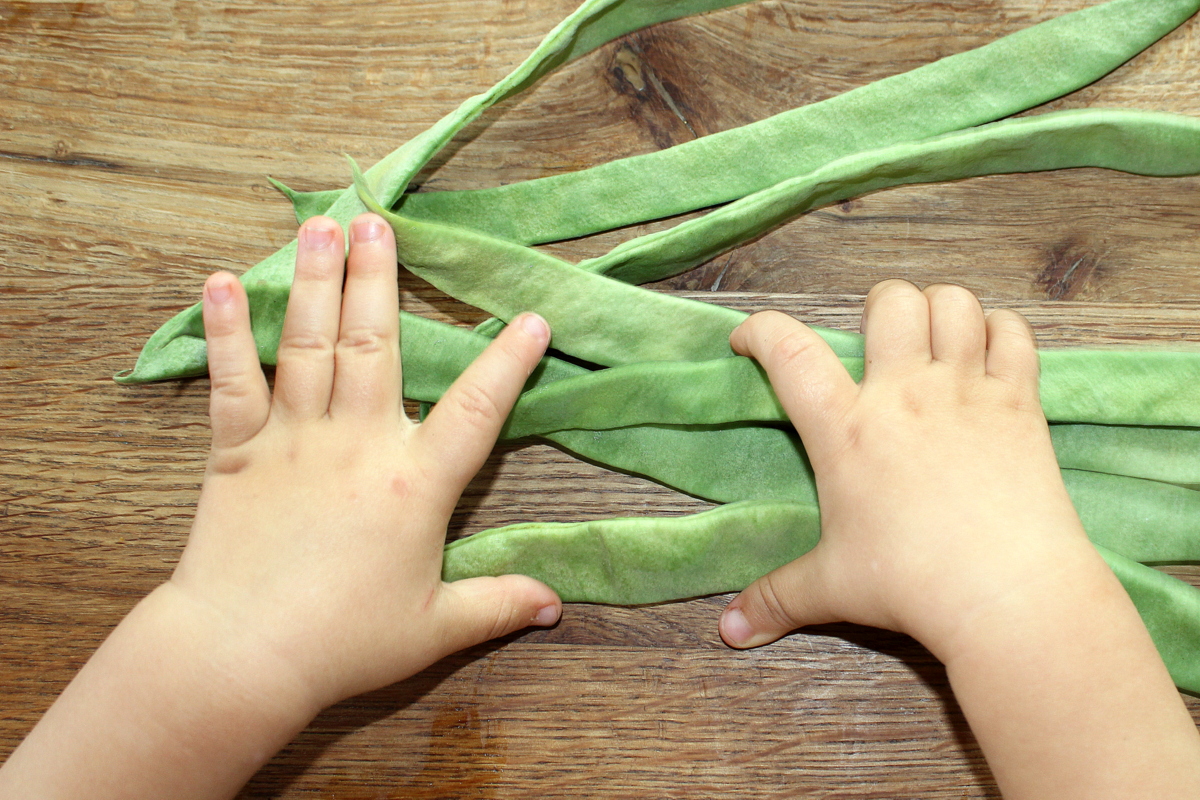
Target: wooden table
135 138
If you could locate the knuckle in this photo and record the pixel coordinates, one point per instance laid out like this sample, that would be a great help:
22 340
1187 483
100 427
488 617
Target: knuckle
791 349
232 386
501 622
773 604
364 341
479 406
295 342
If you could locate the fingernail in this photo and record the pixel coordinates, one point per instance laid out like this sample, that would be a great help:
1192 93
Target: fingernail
316 238
547 615
219 292
367 230
535 326
734 627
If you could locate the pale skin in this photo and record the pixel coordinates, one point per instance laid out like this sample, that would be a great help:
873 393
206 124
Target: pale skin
312 571
944 516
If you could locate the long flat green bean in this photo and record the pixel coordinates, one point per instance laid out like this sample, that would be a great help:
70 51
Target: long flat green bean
652 560
1012 74
174 350
1141 142
1171 455
721 463
1171 610
644 559
1115 387
587 312
1147 521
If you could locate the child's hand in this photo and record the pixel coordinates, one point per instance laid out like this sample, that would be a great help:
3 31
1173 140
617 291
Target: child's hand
939 489
943 515
320 526
313 569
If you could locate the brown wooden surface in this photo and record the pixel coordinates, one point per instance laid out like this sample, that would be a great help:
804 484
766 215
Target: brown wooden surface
134 140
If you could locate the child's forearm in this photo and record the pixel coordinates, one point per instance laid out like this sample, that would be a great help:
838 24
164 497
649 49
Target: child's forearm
173 704
1067 696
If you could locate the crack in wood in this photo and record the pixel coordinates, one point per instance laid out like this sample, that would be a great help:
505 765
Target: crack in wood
62 161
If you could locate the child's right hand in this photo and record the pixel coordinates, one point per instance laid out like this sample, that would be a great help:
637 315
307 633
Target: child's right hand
944 516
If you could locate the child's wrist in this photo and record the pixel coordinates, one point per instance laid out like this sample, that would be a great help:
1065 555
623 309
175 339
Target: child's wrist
1044 600
242 680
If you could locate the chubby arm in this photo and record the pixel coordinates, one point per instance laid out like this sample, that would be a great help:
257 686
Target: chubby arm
313 568
944 516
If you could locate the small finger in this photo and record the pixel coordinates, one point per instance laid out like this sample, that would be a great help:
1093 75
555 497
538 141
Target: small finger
367 378
808 378
240 399
1012 352
304 372
776 604
957 334
896 328
462 428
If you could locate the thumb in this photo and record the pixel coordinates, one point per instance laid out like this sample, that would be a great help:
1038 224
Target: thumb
811 383
475 610
776 604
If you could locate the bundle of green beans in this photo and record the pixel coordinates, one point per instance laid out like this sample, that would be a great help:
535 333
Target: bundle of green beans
665 396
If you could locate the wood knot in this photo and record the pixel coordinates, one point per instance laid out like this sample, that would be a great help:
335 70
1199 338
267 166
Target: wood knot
645 70
1070 267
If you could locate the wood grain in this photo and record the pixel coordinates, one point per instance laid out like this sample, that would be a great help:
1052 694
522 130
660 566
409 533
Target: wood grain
134 140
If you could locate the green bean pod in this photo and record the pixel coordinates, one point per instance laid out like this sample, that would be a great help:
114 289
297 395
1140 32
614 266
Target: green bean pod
1113 387
1171 455
721 463
174 350
587 311
653 560
1140 142
1011 74
1170 608
1147 521
644 559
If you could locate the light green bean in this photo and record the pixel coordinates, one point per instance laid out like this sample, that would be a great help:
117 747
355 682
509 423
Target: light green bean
1009 75
649 560
1171 455
175 350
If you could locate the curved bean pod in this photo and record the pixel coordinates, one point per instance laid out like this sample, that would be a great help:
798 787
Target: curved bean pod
653 560
644 559
1171 455
587 311
1140 142
721 463
1146 521
1171 610
1009 75
1114 387
175 351
584 309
